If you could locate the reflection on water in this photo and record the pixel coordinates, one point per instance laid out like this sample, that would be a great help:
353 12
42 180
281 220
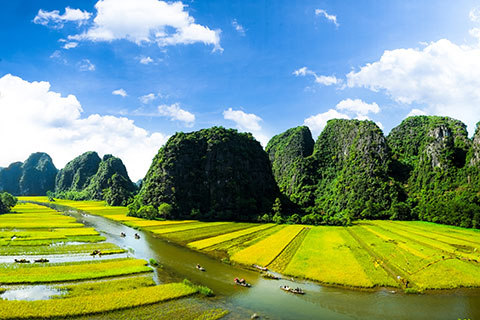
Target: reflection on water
30 293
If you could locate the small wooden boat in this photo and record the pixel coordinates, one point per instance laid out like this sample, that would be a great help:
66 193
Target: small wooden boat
285 288
241 282
22 261
296 290
199 267
41 260
123 235
137 236
269 275
260 267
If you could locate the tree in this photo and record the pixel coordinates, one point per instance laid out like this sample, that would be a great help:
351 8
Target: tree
165 210
7 202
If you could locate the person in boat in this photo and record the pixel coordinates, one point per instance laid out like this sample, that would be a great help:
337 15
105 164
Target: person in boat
123 235
137 236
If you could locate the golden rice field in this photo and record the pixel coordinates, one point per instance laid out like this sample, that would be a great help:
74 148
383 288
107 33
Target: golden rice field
95 286
404 254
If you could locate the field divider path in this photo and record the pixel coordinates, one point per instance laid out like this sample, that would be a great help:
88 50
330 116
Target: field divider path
409 226
388 267
451 255
285 248
283 259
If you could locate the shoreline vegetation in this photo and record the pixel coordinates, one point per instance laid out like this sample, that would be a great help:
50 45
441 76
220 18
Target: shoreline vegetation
408 255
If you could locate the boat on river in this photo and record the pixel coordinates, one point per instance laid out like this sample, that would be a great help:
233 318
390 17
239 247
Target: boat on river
292 290
242 282
199 267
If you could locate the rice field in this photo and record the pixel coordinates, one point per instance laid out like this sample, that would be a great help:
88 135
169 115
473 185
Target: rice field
401 254
95 285
95 303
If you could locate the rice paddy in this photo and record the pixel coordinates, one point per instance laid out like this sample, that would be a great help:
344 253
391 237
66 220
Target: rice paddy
95 285
410 255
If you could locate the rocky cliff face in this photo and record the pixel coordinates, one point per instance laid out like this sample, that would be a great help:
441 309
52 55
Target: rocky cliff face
352 160
76 174
474 160
108 167
211 173
10 178
96 178
34 177
289 154
430 147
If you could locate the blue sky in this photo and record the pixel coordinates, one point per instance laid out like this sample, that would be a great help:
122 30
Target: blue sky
120 76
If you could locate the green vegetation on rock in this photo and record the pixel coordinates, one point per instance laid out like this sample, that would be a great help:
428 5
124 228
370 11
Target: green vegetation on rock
214 173
33 177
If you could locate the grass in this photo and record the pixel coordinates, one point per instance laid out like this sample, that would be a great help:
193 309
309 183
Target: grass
72 271
265 251
89 288
207 292
90 304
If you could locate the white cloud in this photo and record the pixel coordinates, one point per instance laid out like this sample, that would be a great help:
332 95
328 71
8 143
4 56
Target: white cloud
43 120
244 121
148 98
247 122
443 78
317 122
70 45
345 109
176 113
330 17
240 29
325 80
147 21
358 106
474 15
416 112
475 32
56 20
120 92
86 65
146 60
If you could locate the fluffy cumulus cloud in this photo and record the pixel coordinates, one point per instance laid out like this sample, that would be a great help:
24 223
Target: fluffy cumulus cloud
330 17
55 19
345 109
249 122
416 112
174 112
38 119
120 92
317 122
325 80
358 106
244 121
147 21
443 78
